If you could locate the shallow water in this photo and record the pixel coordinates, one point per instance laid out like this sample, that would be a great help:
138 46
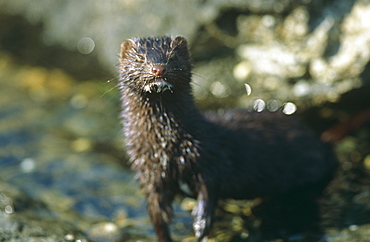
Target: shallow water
61 144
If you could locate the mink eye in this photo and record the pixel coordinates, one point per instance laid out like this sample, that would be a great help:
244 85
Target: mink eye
140 58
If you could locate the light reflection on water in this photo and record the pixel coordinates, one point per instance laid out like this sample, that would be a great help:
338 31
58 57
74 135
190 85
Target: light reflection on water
289 108
53 164
259 105
272 105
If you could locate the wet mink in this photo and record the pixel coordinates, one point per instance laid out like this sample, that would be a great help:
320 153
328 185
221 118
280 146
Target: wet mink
230 154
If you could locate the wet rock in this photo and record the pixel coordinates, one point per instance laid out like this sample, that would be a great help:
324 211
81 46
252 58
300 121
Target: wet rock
112 22
308 52
352 233
23 219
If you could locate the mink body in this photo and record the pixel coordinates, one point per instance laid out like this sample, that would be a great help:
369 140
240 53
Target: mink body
236 154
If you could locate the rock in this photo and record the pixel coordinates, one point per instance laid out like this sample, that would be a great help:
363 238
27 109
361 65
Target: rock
23 219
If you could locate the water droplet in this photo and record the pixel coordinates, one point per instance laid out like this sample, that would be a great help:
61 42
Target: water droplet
289 108
273 105
9 209
27 165
248 89
259 105
86 45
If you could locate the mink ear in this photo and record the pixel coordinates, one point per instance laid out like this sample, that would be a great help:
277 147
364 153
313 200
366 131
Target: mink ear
182 43
125 47
179 40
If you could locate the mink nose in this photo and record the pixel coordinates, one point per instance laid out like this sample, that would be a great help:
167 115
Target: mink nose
159 70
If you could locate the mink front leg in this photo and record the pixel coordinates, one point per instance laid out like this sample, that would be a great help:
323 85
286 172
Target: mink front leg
204 211
160 211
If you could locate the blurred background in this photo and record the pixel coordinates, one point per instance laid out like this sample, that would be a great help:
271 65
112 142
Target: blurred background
64 175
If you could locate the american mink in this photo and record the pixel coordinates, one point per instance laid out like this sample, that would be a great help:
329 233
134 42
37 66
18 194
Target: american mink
176 150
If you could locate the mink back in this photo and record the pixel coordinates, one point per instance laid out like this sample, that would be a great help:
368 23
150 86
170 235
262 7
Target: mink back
272 153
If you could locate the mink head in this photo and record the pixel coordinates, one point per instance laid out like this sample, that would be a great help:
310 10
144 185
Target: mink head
155 65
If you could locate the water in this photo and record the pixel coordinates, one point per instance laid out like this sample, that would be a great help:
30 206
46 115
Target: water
61 146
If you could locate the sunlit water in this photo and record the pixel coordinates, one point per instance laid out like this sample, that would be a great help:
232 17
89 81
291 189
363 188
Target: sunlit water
61 144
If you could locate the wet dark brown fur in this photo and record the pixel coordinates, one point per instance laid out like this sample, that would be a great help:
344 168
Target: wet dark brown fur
176 150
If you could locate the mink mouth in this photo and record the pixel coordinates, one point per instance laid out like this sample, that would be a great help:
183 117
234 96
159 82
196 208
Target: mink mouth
158 86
